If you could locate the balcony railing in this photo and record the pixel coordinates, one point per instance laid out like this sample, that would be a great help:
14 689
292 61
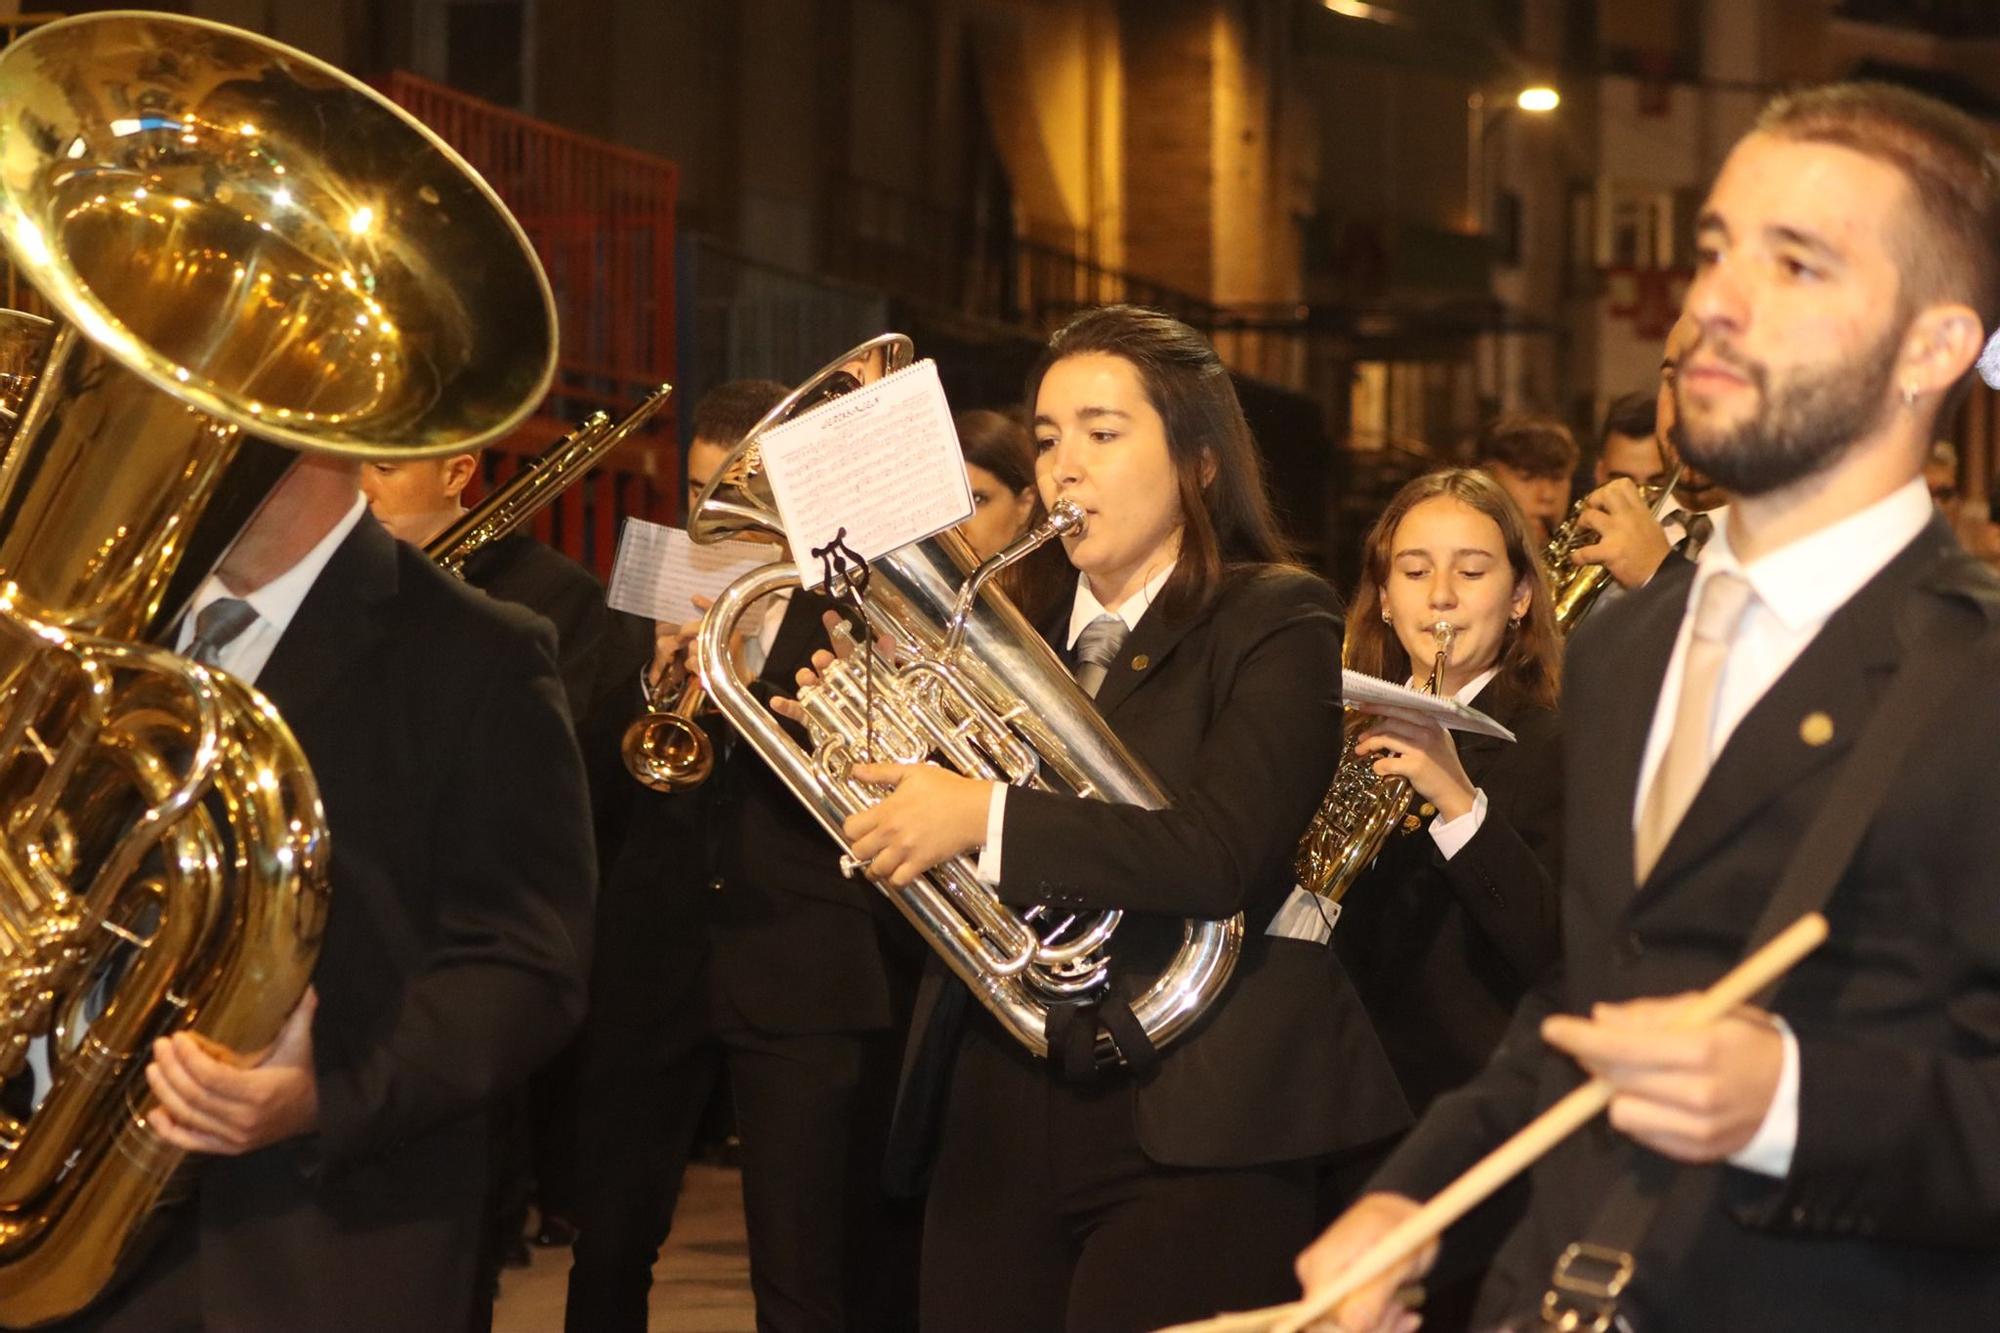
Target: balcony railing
601 218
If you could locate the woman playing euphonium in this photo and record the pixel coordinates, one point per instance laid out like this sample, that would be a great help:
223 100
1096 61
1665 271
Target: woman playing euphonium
1131 1198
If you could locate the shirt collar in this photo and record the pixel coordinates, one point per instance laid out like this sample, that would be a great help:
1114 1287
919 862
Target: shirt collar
1087 608
1468 691
1804 582
279 600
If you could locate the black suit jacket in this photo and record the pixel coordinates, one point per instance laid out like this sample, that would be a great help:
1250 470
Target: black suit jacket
727 905
455 949
1236 709
1890 1213
1443 951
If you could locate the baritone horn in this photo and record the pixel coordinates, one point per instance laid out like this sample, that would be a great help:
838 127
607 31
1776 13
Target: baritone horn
1361 808
241 243
1574 588
959 675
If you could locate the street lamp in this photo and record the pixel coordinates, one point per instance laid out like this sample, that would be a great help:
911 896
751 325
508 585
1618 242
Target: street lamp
1536 99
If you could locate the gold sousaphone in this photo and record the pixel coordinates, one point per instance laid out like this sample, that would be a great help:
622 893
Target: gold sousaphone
239 242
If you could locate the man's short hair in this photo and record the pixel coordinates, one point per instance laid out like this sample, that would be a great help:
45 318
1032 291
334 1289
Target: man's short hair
726 413
1635 414
1952 223
1536 446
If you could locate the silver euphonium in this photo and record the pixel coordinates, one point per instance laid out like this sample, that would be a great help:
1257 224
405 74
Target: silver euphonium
963 680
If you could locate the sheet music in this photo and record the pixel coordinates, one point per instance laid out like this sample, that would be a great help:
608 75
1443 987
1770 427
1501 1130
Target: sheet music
1361 691
660 570
883 463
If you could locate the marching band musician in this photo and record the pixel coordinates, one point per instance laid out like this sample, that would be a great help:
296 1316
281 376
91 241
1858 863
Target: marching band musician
1000 469
1632 544
730 944
1063 1197
1446 932
1836 1157
344 1169
597 650
1449 928
1534 459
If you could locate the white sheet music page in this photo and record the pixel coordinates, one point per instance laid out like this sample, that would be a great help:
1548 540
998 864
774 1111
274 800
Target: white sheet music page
1366 693
881 464
659 570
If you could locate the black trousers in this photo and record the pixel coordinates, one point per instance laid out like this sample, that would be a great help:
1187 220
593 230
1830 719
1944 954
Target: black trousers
1045 1213
164 1296
828 1251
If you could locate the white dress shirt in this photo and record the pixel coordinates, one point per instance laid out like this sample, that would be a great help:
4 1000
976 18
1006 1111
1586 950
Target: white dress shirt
1795 590
275 603
1451 835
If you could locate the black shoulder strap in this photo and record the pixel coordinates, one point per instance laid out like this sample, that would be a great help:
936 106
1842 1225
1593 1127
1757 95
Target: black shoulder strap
1592 1272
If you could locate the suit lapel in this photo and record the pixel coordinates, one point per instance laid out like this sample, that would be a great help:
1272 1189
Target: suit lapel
335 624
1144 652
1812 714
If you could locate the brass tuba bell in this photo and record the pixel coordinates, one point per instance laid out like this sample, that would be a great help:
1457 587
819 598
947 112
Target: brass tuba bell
238 241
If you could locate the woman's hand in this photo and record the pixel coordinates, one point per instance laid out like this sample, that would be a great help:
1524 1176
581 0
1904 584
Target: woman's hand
931 816
1424 754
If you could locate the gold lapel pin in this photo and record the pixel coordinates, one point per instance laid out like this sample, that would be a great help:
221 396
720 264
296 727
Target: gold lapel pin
1816 729
1141 662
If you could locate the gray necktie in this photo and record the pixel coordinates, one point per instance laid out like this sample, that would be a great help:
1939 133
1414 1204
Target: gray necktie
1096 647
217 626
1697 527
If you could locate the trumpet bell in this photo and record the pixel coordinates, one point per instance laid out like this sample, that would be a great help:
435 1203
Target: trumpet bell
666 750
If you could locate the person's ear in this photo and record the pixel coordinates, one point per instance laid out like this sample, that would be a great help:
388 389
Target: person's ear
458 470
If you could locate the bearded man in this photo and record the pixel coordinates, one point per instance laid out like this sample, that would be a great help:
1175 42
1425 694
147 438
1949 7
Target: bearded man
1833 1163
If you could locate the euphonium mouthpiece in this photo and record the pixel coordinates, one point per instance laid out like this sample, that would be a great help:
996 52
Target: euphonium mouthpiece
1065 517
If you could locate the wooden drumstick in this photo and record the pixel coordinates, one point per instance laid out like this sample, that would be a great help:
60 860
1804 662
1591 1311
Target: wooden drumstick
1517 1154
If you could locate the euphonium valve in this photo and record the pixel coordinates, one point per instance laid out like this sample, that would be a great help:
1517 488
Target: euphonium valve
1361 808
664 747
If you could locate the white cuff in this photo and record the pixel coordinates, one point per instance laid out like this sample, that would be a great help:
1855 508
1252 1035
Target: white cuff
988 867
1451 835
1769 1152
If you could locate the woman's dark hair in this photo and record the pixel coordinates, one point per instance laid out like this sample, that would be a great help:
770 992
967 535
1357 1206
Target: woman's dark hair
1000 443
1228 520
1530 659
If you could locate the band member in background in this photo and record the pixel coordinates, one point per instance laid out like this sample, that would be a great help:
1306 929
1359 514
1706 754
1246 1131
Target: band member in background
1534 459
1632 544
344 1173
1629 447
1836 1154
731 945
1000 467
597 650
1449 928
1113 1200
1446 932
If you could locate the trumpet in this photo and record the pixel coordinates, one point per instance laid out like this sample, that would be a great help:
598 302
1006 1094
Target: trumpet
1574 588
664 747
1361 807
